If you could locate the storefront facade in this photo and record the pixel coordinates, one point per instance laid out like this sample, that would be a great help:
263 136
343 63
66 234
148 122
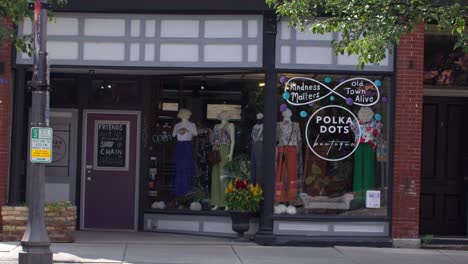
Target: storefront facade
336 150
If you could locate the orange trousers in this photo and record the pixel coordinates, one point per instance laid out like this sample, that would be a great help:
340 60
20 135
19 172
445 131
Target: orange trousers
286 174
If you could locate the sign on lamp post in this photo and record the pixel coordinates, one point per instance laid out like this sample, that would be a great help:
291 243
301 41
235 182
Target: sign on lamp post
41 145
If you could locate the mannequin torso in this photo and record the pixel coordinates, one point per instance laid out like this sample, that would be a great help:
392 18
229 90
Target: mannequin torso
224 135
184 130
288 133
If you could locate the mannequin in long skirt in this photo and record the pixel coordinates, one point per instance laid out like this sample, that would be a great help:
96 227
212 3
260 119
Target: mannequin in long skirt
223 140
183 158
364 157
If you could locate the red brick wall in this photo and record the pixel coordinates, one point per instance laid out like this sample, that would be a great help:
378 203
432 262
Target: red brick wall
408 134
5 94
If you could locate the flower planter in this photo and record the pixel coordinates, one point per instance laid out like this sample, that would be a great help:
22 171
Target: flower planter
60 222
240 222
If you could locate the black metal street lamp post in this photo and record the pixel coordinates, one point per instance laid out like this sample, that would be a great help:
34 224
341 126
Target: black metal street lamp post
35 242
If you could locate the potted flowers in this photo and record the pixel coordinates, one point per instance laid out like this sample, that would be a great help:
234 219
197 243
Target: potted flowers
243 200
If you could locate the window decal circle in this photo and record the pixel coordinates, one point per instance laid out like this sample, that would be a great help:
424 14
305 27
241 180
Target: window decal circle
333 132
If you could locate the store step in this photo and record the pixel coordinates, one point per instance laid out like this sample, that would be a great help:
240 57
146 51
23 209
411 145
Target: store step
457 243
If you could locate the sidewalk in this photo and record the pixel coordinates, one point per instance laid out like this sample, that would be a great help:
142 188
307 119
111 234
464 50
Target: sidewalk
113 247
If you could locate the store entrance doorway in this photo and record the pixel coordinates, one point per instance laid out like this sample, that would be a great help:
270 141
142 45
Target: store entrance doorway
444 179
109 173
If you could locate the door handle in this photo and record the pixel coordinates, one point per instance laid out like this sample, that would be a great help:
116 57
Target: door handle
89 168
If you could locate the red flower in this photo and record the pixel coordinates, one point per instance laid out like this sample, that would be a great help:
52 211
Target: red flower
243 184
238 184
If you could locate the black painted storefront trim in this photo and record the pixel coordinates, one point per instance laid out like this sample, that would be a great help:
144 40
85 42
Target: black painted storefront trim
266 223
166 6
17 181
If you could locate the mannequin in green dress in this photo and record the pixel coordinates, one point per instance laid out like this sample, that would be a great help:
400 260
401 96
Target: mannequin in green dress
364 157
223 140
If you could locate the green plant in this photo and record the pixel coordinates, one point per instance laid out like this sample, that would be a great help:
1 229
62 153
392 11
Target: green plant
242 196
317 179
239 166
427 239
55 207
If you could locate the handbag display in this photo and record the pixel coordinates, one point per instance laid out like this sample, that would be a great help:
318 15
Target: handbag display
214 156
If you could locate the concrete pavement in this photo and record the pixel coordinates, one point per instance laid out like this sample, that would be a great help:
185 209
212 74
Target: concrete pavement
157 248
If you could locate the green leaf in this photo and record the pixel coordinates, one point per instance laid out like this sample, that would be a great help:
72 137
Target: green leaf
370 27
17 11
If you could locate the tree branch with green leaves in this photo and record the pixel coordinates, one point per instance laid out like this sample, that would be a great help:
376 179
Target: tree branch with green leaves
18 11
370 27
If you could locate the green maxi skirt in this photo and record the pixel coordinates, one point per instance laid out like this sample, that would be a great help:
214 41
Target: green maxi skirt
219 178
364 171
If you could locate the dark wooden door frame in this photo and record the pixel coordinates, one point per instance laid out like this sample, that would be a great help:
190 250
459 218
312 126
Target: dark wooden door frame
449 177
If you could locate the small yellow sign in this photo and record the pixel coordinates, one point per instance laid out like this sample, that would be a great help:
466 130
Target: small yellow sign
41 154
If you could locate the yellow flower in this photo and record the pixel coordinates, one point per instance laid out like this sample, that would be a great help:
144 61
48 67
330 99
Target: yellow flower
257 190
229 188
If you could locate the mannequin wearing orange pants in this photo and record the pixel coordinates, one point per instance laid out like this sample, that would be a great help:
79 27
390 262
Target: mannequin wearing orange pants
286 171
286 174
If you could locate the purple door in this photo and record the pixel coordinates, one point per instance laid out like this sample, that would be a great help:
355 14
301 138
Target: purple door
110 170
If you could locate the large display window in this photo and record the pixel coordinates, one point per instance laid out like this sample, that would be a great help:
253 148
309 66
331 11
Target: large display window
332 145
193 117
332 142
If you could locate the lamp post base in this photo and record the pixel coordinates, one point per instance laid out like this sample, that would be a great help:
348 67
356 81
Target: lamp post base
35 253
35 258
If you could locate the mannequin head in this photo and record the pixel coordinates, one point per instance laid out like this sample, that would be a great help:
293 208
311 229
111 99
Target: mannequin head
184 114
287 114
365 114
224 116
259 118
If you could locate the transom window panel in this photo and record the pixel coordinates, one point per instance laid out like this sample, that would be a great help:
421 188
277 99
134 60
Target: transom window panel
62 26
161 40
180 28
99 51
223 29
296 49
63 50
179 52
225 53
104 27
